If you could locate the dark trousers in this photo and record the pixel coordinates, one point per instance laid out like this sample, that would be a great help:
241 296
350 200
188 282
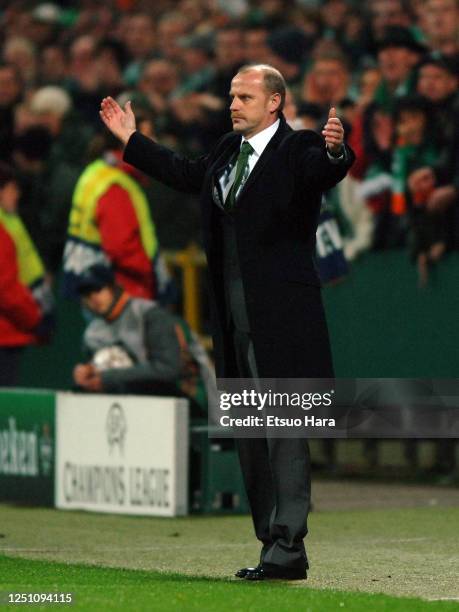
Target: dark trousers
277 480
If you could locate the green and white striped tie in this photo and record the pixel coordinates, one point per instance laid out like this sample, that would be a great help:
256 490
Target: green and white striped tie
242 173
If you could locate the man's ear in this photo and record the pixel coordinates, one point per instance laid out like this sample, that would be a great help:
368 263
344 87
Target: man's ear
275 101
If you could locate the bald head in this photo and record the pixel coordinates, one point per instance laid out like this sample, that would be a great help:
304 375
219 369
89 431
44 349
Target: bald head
273 81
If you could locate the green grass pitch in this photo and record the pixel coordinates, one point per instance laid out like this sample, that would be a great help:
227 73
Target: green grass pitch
97 588
393 559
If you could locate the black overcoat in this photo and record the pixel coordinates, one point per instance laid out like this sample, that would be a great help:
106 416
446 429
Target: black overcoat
275 222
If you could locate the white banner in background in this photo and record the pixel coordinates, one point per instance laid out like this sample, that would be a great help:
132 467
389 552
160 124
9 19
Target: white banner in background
122 454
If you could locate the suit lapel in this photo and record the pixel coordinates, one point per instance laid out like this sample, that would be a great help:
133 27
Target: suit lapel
265 156
220 166
217 195
223 160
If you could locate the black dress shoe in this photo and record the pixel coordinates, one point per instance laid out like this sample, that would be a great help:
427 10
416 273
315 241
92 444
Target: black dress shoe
273 572
242 573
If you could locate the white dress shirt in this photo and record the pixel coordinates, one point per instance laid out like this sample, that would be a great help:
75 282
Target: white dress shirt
259 142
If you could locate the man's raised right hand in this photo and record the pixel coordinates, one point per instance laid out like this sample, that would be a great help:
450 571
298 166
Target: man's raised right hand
120 122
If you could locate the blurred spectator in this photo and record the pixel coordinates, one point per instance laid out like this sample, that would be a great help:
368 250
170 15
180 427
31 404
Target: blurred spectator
274 13
394 147
256 49
196 64
437 82
440 25
398 54
344 23
48 174
306 16
110 60
46 192
53 66
26 304
134 346
363 133
368 83
171 27
198 12
90 17
10 96
334 14
229 56
95 71
158 80
21 53
45 23
438 79
375 132
110 224
415 148
288 52
52 107
327 82
387 13
353 37
85 76
139 39
82 66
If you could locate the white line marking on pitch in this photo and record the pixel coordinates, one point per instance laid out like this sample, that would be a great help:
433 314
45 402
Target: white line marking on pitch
400 540
443 599
123 549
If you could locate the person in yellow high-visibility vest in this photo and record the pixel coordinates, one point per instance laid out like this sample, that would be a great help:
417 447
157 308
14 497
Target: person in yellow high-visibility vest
110 223
26 302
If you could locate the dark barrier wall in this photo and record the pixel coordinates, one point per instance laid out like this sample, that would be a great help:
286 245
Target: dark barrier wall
381 325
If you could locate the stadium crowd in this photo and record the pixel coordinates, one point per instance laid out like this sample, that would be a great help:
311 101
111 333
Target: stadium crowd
390 67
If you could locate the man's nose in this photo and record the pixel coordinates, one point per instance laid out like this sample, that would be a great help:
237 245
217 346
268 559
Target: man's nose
234 105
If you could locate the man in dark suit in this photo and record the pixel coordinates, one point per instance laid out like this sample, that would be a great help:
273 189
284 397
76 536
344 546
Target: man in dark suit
260 191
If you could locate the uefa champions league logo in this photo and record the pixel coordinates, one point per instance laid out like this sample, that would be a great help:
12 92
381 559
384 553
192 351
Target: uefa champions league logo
116 427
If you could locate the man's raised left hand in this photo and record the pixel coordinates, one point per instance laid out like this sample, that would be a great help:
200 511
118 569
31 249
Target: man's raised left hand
333 133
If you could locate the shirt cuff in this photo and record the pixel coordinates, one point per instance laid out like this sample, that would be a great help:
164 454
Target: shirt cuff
340 158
